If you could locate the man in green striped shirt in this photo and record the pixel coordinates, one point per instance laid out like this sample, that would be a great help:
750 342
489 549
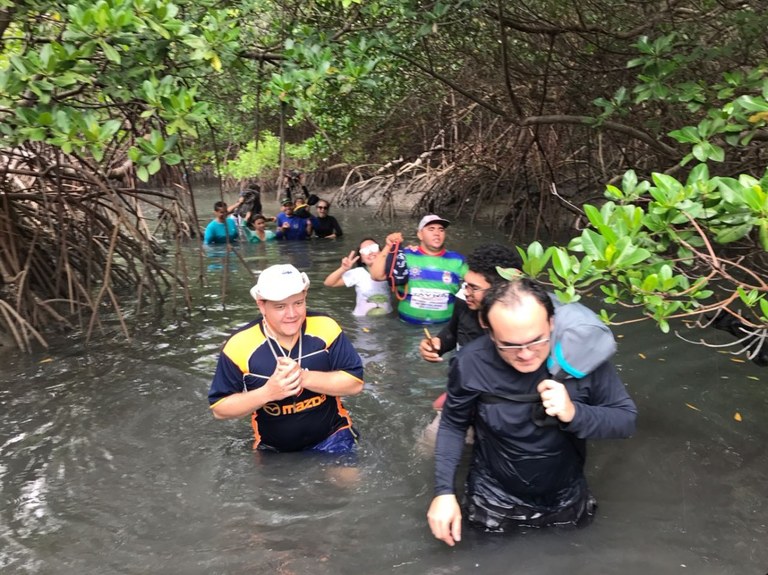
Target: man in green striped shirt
428 276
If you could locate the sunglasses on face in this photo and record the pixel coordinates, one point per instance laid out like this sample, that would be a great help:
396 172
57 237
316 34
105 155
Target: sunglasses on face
370 249
322 207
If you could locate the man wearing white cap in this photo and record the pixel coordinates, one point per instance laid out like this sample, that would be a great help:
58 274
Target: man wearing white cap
430 275
288 369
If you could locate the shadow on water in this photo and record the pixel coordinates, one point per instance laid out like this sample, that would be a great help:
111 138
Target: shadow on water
111 463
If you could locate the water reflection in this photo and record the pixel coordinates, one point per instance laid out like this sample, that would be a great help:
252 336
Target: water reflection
111 463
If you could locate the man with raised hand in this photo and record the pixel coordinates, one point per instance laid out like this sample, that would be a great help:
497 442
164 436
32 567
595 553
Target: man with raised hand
222 228
429 275
288 370
528 458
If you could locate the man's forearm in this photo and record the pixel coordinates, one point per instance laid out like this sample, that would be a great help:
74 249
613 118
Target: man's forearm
336 383
448 450
240 404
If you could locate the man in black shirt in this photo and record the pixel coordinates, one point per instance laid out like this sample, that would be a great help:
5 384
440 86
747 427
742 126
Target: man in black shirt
527 464
464 325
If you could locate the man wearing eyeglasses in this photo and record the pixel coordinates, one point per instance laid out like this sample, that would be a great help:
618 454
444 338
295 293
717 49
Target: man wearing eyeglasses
324 224
465 325
527 465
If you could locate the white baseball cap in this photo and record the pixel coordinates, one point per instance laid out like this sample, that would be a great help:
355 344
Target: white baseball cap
279 282
432 219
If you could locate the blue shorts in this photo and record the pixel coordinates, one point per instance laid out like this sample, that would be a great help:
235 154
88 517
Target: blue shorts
343 441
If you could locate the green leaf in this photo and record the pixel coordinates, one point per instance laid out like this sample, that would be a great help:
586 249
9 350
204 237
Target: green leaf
764 308
593 244
764 234
154 166
613 192
753 104
561 262
732 234
110 52
631 256
509 274
650 283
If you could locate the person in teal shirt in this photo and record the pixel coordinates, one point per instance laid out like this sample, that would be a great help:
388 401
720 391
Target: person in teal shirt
222 229
434 274
259 233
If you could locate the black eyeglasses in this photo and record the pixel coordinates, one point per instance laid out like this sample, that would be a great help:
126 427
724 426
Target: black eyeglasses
322 207
471 288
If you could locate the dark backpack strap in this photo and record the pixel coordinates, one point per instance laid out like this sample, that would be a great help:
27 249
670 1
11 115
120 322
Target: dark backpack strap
538 413
513 397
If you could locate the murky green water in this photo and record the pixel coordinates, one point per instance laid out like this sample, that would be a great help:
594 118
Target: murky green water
110 461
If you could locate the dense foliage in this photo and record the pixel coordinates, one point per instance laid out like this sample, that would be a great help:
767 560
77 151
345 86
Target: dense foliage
535 107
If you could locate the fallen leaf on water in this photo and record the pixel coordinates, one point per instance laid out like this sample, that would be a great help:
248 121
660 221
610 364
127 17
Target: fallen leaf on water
366 330
692 406
662 359
753 377
737 416
46 360
642 355
737 360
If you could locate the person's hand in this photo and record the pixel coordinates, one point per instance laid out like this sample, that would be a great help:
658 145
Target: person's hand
286 379
393 238
429 349
444 518
348 262
330 237
286 226
556 400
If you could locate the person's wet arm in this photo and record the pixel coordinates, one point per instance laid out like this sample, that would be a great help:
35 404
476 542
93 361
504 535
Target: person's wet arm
335 278
449 333
336 383
284 382
444 514
456 418
346 371
378 269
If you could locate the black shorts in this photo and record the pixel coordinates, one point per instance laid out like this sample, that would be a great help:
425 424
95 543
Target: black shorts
496 516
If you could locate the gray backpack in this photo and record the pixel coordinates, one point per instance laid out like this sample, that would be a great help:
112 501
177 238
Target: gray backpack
580 341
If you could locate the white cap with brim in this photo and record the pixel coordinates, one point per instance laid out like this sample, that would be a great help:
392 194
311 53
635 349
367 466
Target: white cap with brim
432 219
279 282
